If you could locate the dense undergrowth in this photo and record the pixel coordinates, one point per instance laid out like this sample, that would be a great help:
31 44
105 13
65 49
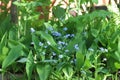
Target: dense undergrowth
85 47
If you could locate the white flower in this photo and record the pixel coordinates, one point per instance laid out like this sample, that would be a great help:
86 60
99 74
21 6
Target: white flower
106 50
53 53
72 61
45 46
59 47
104 59
32 43
40 44
66 50
103 50
60 56
48 42
32 30
91 49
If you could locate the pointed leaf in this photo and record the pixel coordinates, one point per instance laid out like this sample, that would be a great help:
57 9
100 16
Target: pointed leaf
68 71
43 71
29 65
14 53
79 60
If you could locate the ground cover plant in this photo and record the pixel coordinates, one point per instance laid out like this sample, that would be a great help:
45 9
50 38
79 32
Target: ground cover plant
83 47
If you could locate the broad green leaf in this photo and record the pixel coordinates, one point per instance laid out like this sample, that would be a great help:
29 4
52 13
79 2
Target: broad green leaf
58 12
13 34
14 43
47 37
43 71
117 56
3 42
79 60
4 39
117 65
29 65
87 64
14 53
5 50
68 71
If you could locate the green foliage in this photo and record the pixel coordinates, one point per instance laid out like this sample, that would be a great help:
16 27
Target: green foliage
29 65
43 71
85 47
14 53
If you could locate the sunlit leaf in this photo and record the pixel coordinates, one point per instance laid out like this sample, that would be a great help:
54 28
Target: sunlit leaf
68 71
43 71
117 65
79 60
29 65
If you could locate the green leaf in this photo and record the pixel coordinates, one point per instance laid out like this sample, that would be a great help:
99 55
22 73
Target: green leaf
117 56
29 65
68 71
95 1
115 36
117 65
14 53
95 32
43 71
58 12
87 64
79 60
35 40
72 43
47 37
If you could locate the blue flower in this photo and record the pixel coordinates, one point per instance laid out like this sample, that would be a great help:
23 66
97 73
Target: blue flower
72 35
50 28
103 50
61 43
76 47
65 28
57 34
40 44
53 53
67 35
